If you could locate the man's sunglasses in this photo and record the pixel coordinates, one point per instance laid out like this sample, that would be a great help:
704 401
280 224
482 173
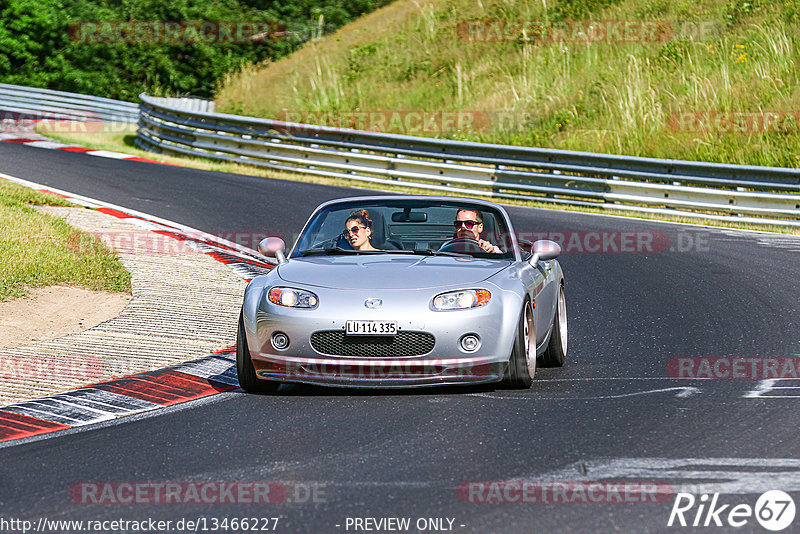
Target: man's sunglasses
469 224
354 229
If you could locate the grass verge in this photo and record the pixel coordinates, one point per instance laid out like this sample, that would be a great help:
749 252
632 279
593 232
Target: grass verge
38 250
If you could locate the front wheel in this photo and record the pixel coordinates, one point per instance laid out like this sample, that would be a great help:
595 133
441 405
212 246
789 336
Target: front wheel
244 366
522 362
556 352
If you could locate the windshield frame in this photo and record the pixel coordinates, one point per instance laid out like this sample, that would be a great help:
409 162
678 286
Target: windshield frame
352 203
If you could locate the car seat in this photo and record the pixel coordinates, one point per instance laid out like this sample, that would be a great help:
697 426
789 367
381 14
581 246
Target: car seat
379 233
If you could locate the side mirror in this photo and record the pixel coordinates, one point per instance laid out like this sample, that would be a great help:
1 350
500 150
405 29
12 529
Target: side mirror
273 246
544 250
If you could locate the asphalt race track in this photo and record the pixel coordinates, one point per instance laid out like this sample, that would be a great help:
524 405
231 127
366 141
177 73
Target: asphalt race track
617 412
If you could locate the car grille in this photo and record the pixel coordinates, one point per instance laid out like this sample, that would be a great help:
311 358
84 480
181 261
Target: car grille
336 343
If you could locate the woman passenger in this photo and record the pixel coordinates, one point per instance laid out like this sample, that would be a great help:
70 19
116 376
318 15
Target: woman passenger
358 230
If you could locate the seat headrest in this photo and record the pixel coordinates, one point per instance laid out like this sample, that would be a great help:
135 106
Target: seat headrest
378 228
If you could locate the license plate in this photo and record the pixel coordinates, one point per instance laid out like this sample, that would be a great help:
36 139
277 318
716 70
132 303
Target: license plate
371 328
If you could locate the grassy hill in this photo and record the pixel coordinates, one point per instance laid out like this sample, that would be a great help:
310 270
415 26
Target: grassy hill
714 80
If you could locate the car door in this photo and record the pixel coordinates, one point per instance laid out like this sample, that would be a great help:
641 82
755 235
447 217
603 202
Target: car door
535 280
546 300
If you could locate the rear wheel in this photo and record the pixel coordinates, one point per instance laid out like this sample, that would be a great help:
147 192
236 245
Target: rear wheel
244 366
522 362
556 352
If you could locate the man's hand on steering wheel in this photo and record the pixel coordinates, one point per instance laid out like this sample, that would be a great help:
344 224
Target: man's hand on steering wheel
486 245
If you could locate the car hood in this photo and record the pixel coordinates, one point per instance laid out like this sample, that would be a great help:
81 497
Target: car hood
388 271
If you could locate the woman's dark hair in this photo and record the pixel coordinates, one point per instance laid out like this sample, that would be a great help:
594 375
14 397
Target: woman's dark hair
362 217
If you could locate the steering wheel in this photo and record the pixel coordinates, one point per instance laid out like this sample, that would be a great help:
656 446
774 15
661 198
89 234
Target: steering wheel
461 244
339 241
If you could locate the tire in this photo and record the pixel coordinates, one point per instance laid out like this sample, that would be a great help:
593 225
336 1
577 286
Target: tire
244 366
522 361
556 352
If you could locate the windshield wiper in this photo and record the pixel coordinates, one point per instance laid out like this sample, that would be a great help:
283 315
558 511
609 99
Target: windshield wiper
338 250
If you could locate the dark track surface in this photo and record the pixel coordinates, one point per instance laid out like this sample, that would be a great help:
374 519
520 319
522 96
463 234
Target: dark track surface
403 454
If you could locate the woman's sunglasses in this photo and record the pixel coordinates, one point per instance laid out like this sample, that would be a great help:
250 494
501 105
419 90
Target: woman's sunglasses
354 229
469 224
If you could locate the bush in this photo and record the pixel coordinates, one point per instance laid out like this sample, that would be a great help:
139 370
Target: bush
37 49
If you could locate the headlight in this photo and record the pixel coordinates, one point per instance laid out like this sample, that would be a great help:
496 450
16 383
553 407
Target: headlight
292 298
461 300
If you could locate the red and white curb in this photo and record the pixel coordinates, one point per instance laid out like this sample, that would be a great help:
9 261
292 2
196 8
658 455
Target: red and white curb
139 392
38 141
119 397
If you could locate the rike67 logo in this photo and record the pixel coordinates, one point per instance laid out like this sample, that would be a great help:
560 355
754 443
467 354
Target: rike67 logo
774 510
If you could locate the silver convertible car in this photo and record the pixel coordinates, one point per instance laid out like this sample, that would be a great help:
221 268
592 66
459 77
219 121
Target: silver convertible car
399 291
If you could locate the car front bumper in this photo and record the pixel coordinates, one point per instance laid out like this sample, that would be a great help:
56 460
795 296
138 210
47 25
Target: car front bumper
377 372
445 362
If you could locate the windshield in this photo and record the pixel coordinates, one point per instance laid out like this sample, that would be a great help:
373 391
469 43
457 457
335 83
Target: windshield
407 227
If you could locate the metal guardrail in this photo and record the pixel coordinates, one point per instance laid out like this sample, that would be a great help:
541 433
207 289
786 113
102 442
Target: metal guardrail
17 102
647 185
189 104
693 189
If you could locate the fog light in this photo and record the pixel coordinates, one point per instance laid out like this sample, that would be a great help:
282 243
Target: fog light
470 343
280 340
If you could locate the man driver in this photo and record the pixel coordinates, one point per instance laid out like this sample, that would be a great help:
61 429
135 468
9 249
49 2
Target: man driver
469 225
